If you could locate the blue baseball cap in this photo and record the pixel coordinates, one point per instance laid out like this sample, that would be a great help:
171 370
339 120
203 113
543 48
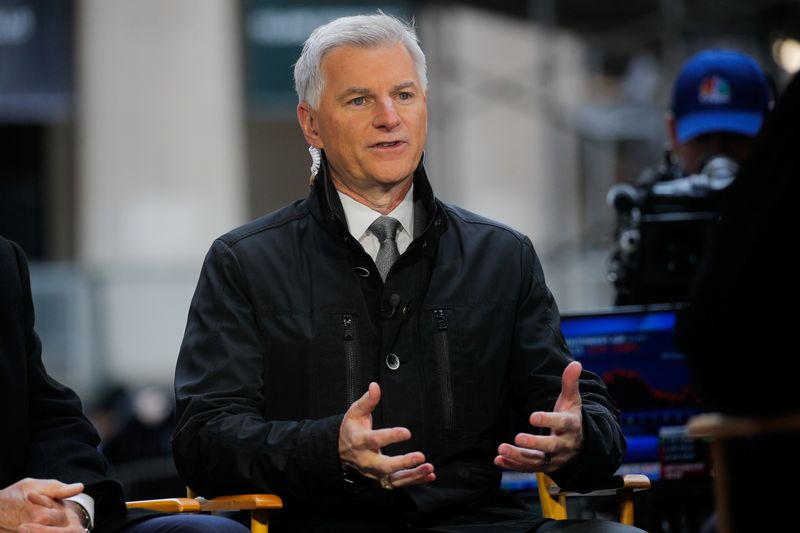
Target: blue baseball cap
719 90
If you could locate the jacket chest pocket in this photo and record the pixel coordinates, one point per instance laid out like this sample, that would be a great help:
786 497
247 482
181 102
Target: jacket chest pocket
315 362
449 388
342 370
352 359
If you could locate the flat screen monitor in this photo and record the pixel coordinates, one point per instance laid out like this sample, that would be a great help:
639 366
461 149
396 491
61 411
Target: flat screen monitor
633 350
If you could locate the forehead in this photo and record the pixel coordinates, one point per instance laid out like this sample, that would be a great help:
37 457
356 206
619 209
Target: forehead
368 67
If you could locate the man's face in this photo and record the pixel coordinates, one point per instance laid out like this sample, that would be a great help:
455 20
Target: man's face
695 152
372 118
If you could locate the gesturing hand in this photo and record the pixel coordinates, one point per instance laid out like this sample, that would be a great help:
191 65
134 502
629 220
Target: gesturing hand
546 453
38 503
360 446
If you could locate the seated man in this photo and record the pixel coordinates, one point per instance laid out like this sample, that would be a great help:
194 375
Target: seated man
52 476
363 352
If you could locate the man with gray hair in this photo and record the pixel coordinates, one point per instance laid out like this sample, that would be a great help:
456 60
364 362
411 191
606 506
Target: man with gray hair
363 352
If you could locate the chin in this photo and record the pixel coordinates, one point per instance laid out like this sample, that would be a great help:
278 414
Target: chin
393 179
393 175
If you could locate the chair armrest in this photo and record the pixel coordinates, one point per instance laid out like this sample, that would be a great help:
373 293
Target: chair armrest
613 485
242 502
722 427
554 500
167 505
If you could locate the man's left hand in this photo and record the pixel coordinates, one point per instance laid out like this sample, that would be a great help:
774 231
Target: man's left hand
546 453
73 524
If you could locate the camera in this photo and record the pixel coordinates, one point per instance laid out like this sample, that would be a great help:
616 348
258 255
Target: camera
663 225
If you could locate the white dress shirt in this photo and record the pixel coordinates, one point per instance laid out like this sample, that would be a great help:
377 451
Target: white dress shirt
359 218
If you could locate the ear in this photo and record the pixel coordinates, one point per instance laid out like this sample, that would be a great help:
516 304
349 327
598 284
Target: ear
672 130
306 116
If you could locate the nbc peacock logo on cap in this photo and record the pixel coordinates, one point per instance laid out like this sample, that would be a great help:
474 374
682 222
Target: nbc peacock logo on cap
714 89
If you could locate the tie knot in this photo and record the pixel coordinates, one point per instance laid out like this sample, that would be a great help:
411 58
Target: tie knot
385 228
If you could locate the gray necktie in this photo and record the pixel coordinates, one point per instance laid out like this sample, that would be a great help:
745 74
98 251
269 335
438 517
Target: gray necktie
385 228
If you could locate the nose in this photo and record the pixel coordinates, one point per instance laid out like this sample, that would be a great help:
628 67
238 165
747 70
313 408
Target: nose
386 115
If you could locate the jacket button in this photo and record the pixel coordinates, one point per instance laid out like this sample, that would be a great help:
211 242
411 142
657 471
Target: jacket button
392 361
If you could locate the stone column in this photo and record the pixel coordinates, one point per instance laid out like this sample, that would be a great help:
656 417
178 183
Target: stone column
160 165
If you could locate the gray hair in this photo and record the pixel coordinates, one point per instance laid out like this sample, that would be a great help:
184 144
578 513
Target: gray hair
364 31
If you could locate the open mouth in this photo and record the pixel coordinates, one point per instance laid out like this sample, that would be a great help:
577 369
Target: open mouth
390 144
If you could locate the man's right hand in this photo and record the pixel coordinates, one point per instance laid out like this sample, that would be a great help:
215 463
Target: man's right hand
37 502
360 446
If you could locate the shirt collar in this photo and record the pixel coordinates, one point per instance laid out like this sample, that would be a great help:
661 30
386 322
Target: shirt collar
359 217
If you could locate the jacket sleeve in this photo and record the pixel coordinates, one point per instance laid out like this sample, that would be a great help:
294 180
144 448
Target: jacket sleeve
539 357
222 441
63 443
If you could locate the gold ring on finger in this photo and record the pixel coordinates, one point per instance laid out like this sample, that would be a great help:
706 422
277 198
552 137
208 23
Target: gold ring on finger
386 482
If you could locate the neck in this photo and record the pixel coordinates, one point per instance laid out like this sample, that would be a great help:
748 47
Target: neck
382 199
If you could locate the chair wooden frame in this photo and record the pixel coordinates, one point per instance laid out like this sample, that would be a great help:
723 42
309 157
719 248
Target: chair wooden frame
259 506
720 428
554 500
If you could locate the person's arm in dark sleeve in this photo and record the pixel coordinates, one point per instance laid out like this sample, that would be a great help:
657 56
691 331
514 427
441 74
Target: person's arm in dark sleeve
538 361
63 443
222 442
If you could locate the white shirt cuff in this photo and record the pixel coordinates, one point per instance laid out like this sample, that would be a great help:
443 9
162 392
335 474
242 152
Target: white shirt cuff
85 501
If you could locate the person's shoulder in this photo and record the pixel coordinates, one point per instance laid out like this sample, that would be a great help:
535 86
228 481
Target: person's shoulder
11 255
478 223
13 275
274 223
9 248
6 249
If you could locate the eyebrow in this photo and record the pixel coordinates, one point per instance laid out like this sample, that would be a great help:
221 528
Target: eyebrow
363 91
354 90
401 86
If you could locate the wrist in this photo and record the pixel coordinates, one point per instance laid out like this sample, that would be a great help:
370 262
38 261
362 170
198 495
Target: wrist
83 514
352 476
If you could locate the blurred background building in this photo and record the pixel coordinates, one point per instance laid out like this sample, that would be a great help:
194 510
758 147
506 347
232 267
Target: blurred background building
134 132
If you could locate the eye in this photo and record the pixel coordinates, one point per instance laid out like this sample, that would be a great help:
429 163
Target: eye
405 95
358 101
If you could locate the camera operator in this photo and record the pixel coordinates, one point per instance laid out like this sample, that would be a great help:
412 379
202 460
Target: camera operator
664 220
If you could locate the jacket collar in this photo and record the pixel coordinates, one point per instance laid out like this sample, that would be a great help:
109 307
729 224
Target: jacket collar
326 206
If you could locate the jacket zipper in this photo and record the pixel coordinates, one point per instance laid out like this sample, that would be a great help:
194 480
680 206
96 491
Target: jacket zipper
442 349
350 358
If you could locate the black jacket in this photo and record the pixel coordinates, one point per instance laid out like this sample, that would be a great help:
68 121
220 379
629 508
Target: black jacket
44 433
291 321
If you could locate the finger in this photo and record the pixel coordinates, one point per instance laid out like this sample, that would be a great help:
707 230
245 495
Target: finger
381 465
378 438
56 489
38 498
510 464
523 455
415 476
367 403
49 517
569 381
558 422
542 443
39 528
